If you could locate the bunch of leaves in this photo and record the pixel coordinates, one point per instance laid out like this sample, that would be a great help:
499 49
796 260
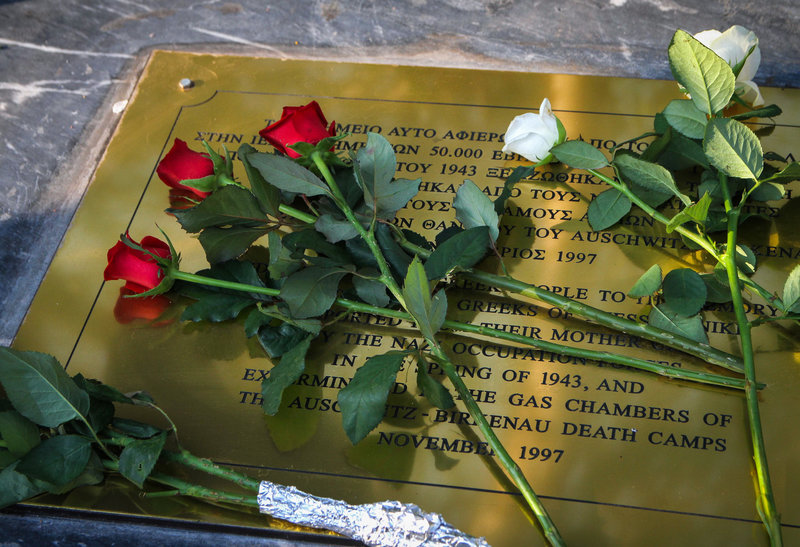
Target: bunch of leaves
698 142
311 266
59 432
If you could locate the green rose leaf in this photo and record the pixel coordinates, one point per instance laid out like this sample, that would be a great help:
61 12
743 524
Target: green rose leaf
19 434
398 259
688 327
684 292
132 428
40 389
417 296
745 259
222 244
287 175
57 460
769 111
579 155
608 208
788 174
276 341
683 115
215 307
140 456
436 393
311 291
716 291
268 196
705 75
733 148
648 283
697 212
229 206
335 229
474 208
363 400
284 374
648 176
16 487
768 191
371 291
463 250
683 153
92 474
98 390
281 261
438 311
791 291
375 166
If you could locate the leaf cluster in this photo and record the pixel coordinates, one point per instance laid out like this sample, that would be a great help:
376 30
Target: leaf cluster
352 250
57 432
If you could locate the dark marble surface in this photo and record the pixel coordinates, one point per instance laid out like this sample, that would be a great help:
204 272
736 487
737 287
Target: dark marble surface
62 60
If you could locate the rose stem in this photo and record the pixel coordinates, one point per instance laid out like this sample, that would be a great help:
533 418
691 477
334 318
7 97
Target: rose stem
596 315
766 500
184 488
633 362
642 330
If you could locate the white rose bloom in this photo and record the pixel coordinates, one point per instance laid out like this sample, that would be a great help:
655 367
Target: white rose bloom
733 46
533 135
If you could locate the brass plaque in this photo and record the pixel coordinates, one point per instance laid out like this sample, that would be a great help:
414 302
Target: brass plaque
619 457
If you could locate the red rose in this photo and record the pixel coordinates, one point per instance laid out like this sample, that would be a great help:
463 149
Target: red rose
146 308
139 269
182 163
298 124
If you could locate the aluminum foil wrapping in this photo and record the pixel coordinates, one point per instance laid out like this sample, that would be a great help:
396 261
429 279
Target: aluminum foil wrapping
385 524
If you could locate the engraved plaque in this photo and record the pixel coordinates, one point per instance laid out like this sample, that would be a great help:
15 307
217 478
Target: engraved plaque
619 457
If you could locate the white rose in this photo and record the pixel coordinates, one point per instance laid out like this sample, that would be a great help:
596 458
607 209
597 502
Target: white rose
733 46
533 135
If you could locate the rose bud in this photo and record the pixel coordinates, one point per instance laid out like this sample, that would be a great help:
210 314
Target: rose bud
140 270
298 124
533 135
182 163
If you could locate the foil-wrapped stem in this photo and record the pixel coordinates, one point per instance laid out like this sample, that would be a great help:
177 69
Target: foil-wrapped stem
385 524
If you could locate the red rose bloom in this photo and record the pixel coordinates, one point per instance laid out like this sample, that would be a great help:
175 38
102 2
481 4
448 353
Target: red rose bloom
139 270
298 124
182 163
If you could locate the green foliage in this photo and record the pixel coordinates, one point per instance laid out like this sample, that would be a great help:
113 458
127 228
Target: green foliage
519 173
655 183
436 393
16 487
788 174
284 374
579 155
370 290
648 283
136 429
683 115
334 229
138 458
791 291
474 208
268 196
417 296
684 292
311 291
39 389
375 166
287 175
19 434
608 208
670 321
733 148
697 212
363 400
57 460
462 251
705 75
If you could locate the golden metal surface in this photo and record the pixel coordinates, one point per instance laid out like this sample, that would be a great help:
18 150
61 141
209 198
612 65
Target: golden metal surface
609 480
